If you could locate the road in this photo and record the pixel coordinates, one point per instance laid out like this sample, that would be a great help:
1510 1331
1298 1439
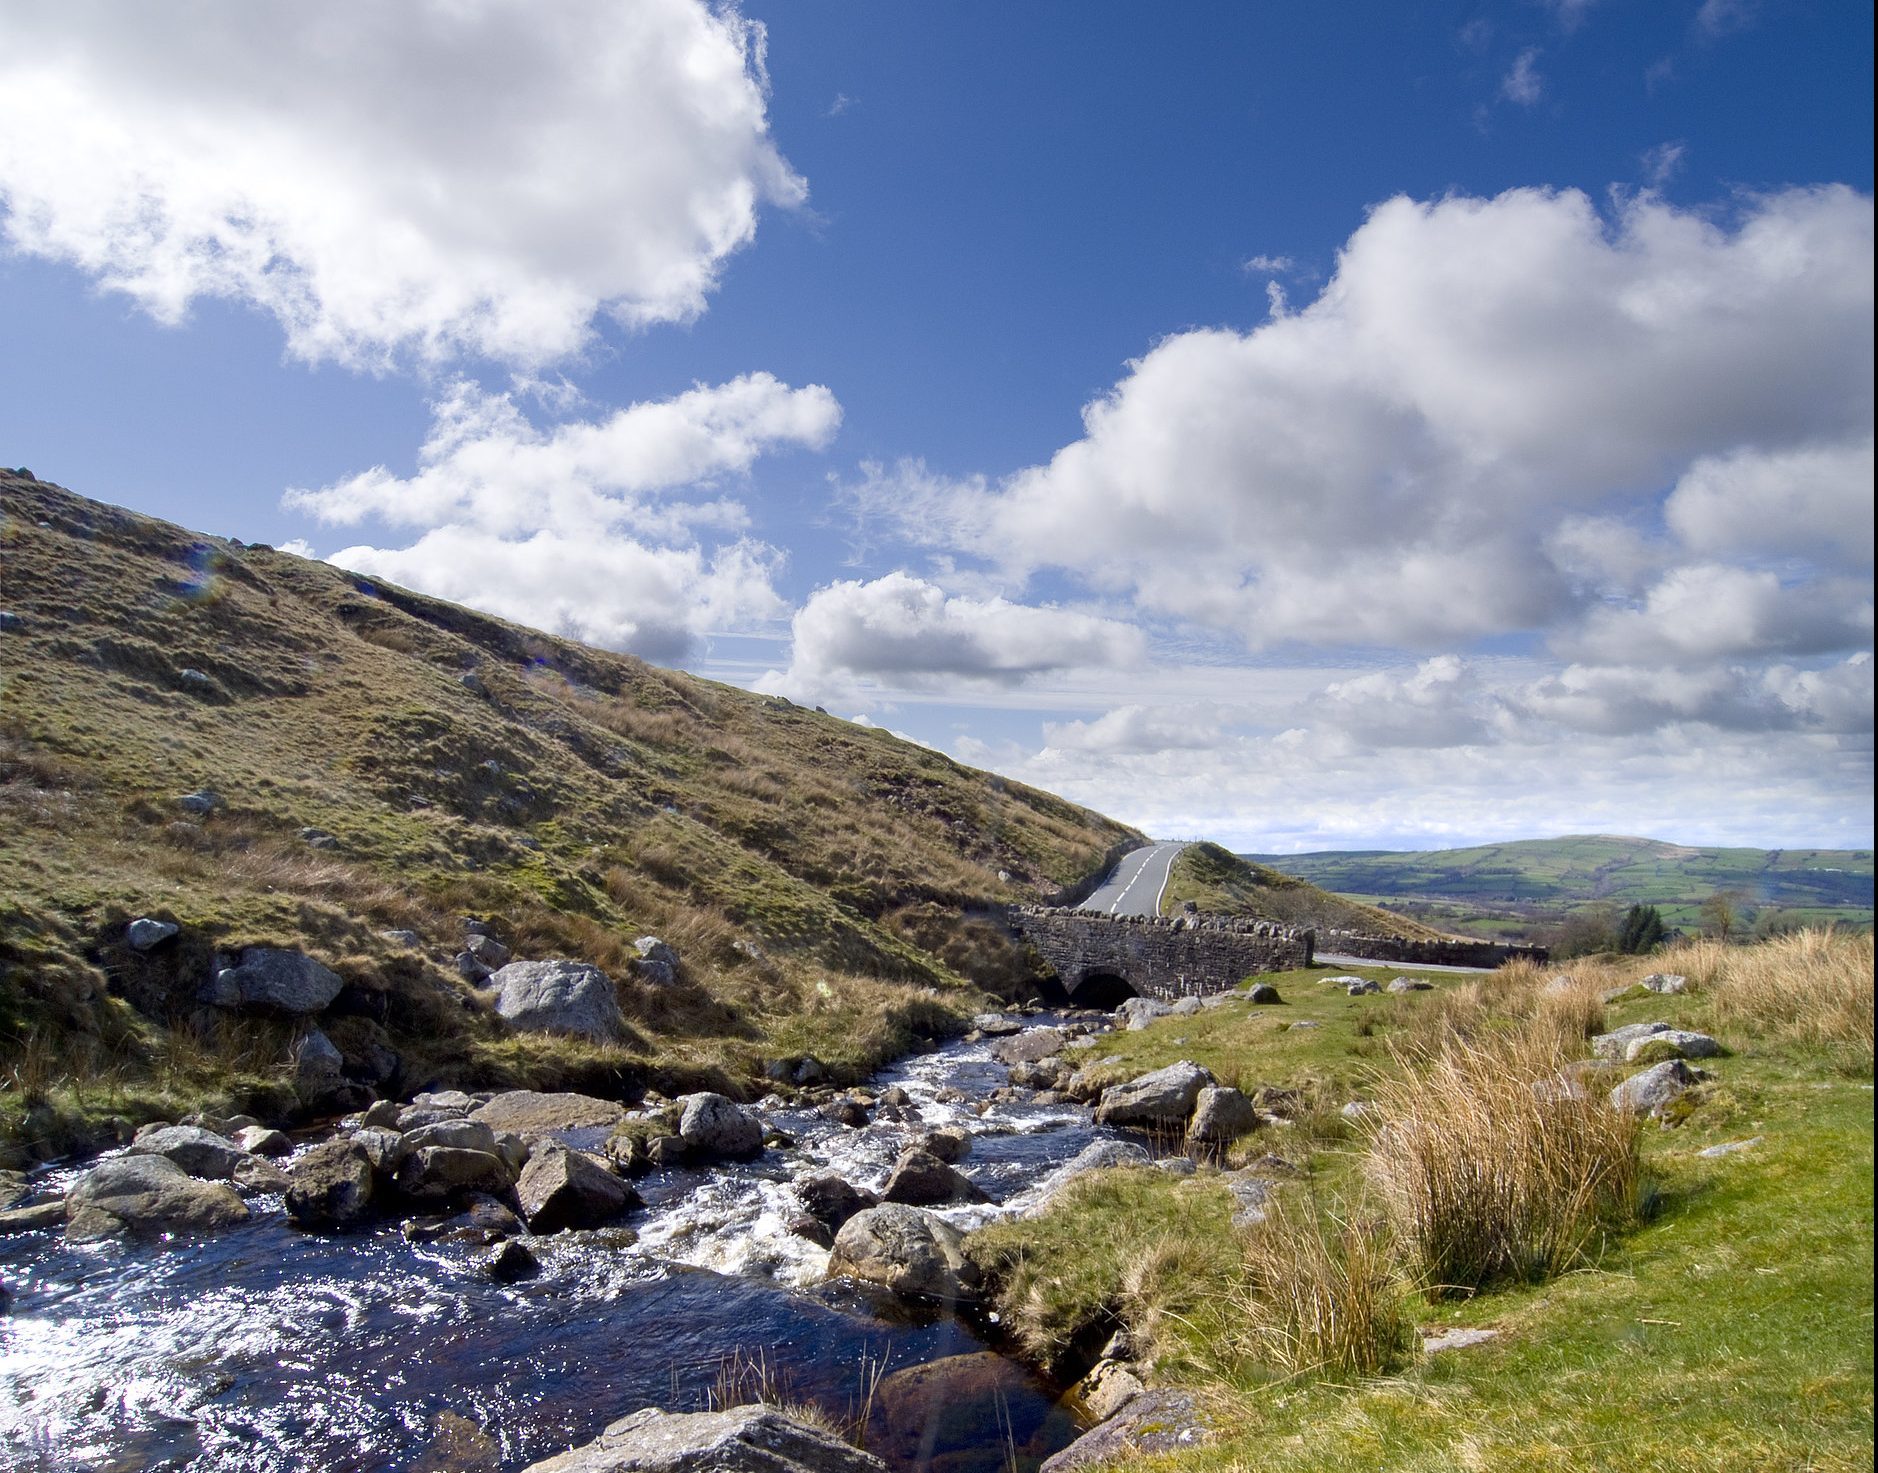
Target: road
1337 959
1134 887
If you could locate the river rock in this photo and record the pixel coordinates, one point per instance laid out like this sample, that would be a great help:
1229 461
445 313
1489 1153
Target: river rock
1220 1116
273 979
937 1415
199 1152
526 1112
559 997
332 1186
463 1135
144 933
258 1174
950 1143
921 1179
511 1262
714 1125
31 1219
1671 1043
1614 1044
142 1195
385 1149
1153 1422
560 1189
1164 1097
437 1173
844 1110
996 1025
1029 1046
906 1250
259 1140
1138 1012
830 1199
1655 1089
746 1439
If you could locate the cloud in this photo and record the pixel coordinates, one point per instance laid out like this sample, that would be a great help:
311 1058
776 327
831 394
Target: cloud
592 529
1264 263
1522 83
904 631
485 463
657 602
1140 729
1710 612
1718 18
1438 704
1660 162
434 178
1392 463
1813 501
1631 700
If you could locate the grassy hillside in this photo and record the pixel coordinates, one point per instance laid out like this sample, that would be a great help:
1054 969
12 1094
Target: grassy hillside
1501 888
1222 883
815 876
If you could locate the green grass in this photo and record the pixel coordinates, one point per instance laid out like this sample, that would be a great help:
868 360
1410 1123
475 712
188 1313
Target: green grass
1732 1329
1218 882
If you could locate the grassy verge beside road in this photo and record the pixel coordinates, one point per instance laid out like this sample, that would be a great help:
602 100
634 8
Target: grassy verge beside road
1724 1321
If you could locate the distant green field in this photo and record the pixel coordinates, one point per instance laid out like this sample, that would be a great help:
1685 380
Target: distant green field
1502 889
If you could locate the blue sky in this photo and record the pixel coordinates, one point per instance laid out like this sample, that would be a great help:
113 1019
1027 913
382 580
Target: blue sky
1305 426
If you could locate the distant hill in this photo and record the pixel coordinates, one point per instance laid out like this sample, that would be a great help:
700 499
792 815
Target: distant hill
1222 883
1505 889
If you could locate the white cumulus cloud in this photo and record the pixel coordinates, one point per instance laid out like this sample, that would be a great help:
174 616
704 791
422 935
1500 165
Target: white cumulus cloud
435 177
902 631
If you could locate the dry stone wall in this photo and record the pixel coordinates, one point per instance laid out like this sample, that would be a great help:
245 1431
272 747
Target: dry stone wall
1160 957
1435 953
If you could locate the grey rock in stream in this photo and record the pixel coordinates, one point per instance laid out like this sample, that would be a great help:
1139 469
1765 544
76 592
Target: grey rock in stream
527 1112
746 1439
332 1187
906 1250
715 1125
561 1189
1165 1097
143 1195
198 1152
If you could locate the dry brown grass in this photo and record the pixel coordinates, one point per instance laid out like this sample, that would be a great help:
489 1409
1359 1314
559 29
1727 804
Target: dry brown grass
1491 1168
1321 1297
1813 987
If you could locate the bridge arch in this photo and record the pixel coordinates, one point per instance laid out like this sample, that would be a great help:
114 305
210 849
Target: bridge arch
1107 990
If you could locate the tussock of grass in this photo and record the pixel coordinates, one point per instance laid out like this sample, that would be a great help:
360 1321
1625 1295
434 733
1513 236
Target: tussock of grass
1813 987
1321 1296
1492 1168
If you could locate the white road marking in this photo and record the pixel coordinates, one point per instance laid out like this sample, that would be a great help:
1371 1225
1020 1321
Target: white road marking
1146 860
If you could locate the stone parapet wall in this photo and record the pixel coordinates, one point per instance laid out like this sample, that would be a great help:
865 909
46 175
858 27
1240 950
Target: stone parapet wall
1160 957
1436 953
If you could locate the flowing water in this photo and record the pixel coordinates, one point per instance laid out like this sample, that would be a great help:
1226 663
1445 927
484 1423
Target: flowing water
263 1348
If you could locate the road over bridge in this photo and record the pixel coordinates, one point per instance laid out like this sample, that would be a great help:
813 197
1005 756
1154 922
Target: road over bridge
1104 959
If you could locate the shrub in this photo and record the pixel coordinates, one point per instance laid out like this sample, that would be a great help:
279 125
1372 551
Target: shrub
1321 1298
1492 1166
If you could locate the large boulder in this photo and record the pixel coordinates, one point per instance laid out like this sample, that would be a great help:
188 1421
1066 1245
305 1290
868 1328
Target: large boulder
275 980
746 1439
1163 1098
1654 1090
528 1112
1220 1116
559 997
906 1250
1615 1044
332 1187
1139 1012
560 1189
921 1179
199 1152
147 1195
1029 1046
714 1125
1671 1043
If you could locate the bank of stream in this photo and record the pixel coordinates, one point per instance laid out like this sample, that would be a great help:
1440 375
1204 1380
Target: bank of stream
263 1347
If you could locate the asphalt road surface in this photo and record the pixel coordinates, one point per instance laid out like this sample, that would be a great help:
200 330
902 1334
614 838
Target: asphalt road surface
1134 887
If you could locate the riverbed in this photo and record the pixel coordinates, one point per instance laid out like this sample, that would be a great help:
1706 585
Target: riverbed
266 1348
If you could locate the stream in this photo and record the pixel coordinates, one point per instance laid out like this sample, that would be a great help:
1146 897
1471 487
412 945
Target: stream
266 1348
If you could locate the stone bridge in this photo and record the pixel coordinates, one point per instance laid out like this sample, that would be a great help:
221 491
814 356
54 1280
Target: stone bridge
1104 959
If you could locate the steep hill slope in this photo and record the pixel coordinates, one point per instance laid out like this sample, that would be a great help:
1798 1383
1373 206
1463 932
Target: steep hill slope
383 761
1223 883
1537 877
